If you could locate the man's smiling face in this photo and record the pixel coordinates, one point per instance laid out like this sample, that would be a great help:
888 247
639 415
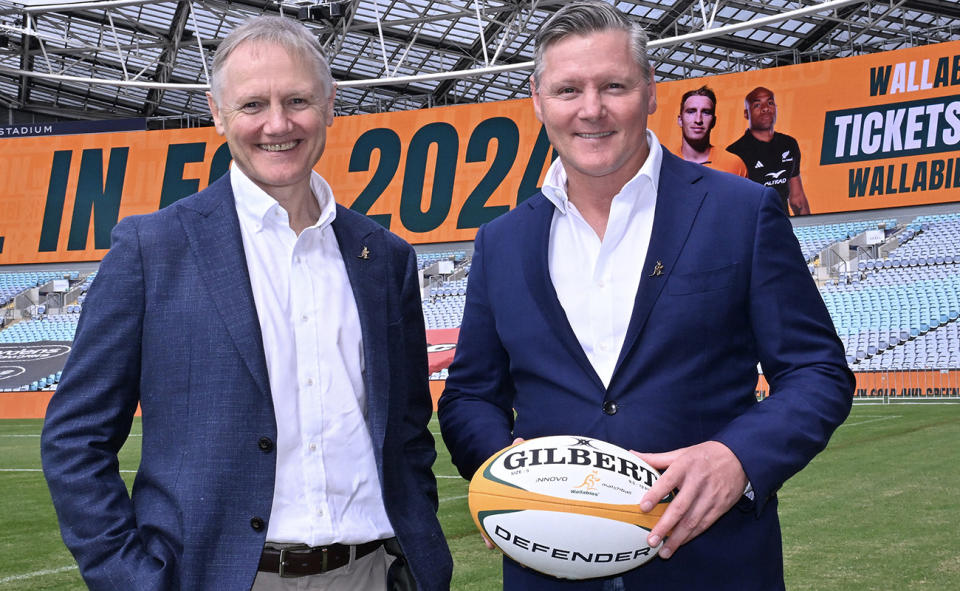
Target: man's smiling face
274 111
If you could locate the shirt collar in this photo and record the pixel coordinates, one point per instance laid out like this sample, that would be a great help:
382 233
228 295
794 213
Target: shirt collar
254 205
555 182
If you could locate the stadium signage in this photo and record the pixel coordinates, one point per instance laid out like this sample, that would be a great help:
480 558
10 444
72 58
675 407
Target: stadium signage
24 363
905 129
897 136
26 130
874 131
11 371
892 132
20 353
71 127
914 75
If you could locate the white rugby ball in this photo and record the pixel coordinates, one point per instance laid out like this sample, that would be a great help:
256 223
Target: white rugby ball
567 506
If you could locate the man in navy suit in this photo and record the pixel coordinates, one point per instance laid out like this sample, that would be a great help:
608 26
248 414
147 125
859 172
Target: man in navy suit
274 341
631 301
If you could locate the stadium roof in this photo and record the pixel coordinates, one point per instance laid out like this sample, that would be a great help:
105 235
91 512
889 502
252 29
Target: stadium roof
130 58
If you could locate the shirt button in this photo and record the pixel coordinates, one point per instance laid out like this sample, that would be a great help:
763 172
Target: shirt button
604 347
309 381
304 318
313 447
609 407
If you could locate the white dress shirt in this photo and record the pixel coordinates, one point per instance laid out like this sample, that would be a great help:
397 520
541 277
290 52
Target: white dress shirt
327 488
596 280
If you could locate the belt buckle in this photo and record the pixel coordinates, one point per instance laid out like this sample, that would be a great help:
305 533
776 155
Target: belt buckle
283 559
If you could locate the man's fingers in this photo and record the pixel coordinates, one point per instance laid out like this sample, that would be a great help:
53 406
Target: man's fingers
709 479
661 488
669 522
659 461
686 523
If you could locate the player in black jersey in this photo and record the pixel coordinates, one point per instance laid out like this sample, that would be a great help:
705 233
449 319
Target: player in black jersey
771 158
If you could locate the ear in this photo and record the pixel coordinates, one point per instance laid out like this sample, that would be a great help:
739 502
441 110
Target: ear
536 100
329 107
652 102
679 120
215 112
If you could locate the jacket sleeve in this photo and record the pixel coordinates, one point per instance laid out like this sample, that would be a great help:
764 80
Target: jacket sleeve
411 487
811 387
88 421
420 447
476 408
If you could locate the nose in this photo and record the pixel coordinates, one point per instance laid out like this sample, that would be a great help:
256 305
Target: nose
277 120
591 105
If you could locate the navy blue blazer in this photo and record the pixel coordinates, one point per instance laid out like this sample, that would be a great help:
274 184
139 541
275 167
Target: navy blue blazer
170 323
733 290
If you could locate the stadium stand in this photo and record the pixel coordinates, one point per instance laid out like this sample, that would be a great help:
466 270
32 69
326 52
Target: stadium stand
898 311
51 327
12 284
814 239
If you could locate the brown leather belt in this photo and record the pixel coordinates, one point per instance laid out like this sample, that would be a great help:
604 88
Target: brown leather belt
302 561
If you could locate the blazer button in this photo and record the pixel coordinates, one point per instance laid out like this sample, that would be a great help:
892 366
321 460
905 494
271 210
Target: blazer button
265 444
257 524
609 407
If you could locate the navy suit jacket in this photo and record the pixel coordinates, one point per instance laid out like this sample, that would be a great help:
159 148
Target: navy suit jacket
733 290
170 323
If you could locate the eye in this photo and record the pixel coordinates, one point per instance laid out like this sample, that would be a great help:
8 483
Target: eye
250 107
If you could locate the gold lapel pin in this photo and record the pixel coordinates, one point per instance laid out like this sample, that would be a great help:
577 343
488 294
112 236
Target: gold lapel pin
657 270
364 254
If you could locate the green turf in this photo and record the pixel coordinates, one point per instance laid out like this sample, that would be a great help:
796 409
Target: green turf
880 509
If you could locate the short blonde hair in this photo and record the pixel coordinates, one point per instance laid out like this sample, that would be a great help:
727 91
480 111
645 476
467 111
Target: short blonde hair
278 30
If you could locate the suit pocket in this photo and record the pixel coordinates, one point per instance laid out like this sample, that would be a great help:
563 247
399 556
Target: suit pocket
702 281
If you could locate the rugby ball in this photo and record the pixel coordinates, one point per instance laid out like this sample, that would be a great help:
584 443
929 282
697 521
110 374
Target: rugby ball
567 506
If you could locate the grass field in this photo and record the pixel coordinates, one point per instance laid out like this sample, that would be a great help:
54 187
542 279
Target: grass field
879 509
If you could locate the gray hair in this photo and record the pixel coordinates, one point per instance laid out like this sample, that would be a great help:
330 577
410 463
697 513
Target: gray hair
585 17
278 30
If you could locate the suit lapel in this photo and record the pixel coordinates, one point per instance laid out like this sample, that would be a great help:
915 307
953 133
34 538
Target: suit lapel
366 259
678 201
213 232
534 252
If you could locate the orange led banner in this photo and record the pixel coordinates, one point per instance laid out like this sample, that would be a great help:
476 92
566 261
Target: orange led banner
430 176
874 131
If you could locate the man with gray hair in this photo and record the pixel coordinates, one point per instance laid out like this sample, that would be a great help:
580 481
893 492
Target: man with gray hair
631 301
274 341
